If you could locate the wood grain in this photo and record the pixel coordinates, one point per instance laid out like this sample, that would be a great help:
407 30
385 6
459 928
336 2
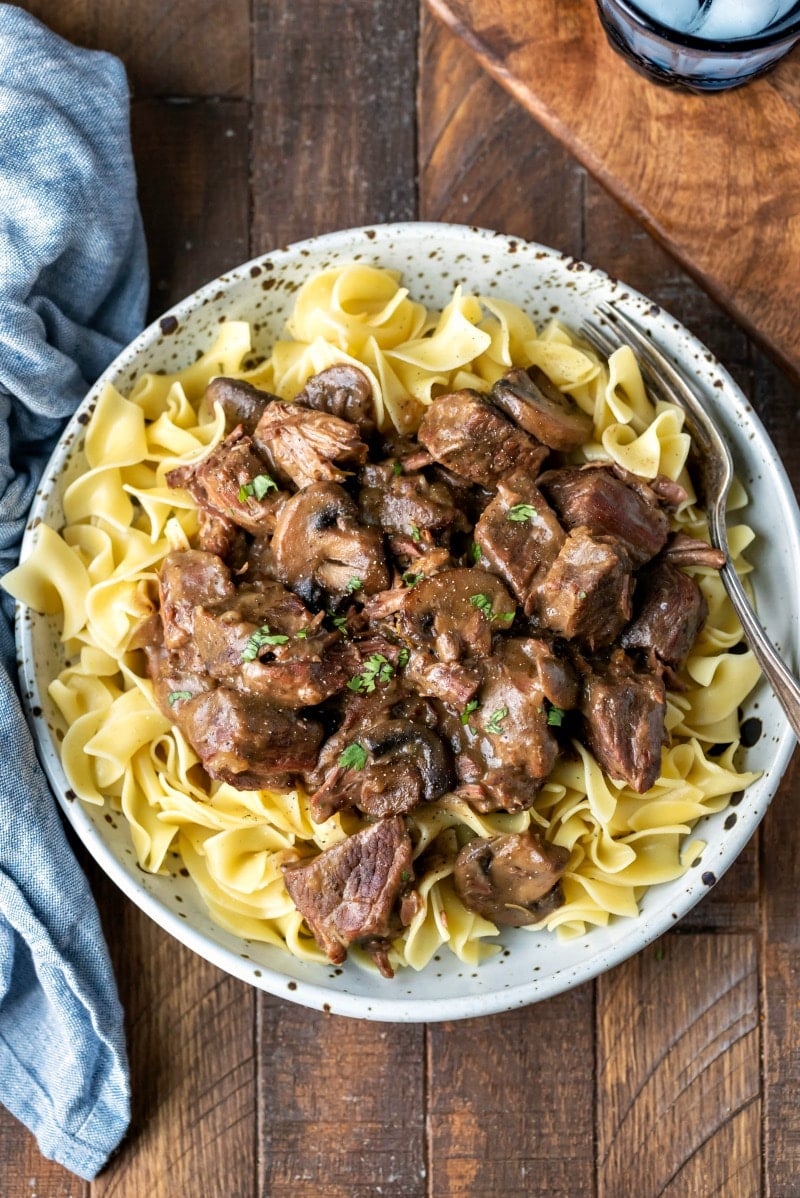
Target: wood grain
713 177
678 1075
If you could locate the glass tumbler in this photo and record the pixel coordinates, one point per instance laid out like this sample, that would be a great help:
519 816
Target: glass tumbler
654 36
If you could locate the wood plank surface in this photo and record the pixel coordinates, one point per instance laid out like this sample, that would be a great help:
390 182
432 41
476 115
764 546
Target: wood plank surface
713 177
677 1075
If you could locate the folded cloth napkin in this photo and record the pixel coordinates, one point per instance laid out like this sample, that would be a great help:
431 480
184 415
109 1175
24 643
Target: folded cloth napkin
73 290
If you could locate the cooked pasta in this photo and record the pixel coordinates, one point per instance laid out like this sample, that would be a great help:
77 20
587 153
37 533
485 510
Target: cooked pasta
121 519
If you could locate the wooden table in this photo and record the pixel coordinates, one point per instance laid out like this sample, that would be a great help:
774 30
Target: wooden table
677 1074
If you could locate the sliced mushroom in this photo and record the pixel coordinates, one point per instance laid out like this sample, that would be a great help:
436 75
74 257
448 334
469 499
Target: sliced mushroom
343 391
241 402
537 406
511 880
322 552
455 612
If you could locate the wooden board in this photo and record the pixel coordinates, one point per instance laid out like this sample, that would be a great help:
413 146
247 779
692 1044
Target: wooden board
714 177
676 1074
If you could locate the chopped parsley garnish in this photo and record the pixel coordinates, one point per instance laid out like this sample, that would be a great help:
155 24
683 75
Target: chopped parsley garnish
377 668
521 512
261 637
473 705
496 719
416 535
411 579
397 467
581 595
302 634
339 622
555 717
405 876
475 552
176 696
354 757
403 656
355 584
257 488
484 604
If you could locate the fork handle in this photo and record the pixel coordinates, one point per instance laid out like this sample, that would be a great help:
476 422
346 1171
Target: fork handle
783 682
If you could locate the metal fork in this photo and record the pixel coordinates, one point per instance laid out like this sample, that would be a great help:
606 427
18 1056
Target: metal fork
665 379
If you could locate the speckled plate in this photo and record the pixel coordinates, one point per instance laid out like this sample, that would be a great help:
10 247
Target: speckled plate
433 258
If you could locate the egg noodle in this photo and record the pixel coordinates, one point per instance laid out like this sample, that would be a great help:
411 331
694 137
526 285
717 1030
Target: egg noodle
121 519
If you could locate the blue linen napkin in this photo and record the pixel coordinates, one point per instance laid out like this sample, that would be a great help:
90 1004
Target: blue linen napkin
73 291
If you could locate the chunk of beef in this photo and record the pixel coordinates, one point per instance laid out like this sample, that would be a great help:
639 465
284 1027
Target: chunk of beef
304 445
623 718
242 403
322 551
541 409
245 741
670 611
343 391
519 536
587 591
177 677
512 880
595 497
504 746
452 683
349 892
399 764
218 534
228 481
405 503
189 579
471 437
454 613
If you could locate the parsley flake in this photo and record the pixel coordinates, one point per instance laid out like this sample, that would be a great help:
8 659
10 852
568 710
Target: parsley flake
397 468
416 535
403 656
555 717
257 488
302 634
473 705
177 696
521 512
475 552
261 637
496 719
377 668
339 622
355 584
483 603
411 579
354 757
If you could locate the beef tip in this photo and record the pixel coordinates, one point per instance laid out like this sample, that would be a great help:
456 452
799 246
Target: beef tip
595 497
506 747
245 741
512 880
303 444
588 589
321 550
454 613
537 406
472 438
242 403
519 536
229 481
683 550
550 668
259 565
218 534
398 764
452 683
177 677
406 503
343 391
623 719
348 893
670 610
301 680
189 579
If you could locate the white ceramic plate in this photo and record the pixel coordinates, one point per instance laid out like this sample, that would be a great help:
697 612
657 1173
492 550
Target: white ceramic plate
433 258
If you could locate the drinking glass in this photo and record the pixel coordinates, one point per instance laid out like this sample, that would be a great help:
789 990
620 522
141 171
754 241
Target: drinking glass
701 45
